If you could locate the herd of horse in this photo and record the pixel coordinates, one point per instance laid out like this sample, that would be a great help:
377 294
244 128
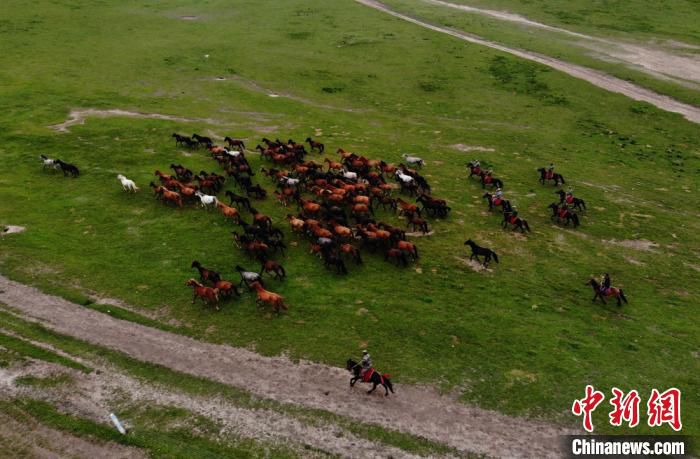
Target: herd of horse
335 202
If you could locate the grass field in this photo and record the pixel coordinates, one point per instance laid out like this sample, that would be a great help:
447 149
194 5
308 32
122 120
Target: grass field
523 338
589 53
669 20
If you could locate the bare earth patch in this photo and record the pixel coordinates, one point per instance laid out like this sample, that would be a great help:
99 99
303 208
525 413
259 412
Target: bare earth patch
639 244
95 395
474 265
12 229
595 77
77 116
418 410
468 148
189 18
429 233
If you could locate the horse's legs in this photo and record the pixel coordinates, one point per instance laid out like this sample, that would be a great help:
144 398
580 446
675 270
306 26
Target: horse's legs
386 390
374 386
194 298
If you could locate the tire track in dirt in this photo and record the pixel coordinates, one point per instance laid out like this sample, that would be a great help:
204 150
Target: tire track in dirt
595 77
416 410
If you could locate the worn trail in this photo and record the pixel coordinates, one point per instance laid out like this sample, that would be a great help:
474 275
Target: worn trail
595 77
416 410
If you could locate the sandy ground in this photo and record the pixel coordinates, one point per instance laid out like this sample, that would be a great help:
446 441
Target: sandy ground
38 441
99 393
650 59
595 77
413 409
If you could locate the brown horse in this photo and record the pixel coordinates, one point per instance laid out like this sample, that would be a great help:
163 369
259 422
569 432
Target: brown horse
207 294
167 195
274 299
617 293
229 212
314 145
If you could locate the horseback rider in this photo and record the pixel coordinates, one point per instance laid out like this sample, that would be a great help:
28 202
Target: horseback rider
366 363
569 195
605 282
550 170
513 212
476 164
499 194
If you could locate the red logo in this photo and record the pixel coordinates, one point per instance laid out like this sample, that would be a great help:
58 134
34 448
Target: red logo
665 408
626 408
587 405
662 408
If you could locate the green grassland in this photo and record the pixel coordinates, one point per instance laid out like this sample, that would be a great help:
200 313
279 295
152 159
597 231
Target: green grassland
551 43
645 19
523 338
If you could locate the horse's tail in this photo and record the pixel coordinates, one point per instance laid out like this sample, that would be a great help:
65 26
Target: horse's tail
284 274
498 183
527 227
415 250
622 295
575 219
583 203
495 257
561 177
387 382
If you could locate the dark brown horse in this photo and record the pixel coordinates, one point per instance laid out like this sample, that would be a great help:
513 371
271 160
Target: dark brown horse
617 293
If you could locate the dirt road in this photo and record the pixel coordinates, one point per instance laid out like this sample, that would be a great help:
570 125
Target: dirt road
417 410
595 77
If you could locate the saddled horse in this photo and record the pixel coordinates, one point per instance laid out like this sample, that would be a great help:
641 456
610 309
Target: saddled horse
372 376
495 202
517 222
488 179
546 174
563 214
571 200
617 293
483 251
474 170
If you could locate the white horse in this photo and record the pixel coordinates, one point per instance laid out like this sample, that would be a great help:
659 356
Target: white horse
127 185
413 160
49 162
289 181
405 179
349 175
232 153
206 200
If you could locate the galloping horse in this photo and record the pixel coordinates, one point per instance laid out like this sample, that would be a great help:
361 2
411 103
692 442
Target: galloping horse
488 179
562 213
517 222
612 291
372 376
476 251
473 169
207 294
495 202
550 175
577 203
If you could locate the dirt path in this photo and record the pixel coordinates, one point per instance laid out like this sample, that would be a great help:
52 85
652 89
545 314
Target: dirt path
94 395
595 77
38 441
652 60
417 410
